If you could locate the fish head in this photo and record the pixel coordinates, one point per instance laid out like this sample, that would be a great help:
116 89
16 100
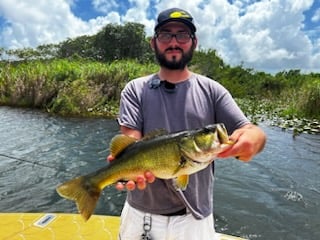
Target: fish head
203 145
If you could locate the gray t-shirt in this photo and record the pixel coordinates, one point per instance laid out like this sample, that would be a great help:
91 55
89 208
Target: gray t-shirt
147 105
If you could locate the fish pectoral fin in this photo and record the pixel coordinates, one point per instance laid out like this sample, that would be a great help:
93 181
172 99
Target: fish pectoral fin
182 164
182 182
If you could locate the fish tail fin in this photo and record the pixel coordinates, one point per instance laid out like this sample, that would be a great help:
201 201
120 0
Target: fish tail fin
83 192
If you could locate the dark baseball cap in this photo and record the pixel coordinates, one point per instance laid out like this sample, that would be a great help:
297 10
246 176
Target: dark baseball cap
175 15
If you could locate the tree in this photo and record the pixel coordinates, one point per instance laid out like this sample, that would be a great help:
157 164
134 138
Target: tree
121 42
81 46
208 63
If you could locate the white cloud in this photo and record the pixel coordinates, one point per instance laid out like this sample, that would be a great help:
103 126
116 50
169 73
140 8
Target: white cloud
32 23
264 35
138 13
316 16
104 6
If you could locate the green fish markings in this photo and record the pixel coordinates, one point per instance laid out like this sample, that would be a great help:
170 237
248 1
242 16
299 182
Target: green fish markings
167 156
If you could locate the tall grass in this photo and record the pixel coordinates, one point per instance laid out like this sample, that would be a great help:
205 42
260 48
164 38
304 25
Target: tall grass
68 87
300 102
309 100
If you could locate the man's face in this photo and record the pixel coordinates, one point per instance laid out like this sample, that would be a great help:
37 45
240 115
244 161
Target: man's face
174 46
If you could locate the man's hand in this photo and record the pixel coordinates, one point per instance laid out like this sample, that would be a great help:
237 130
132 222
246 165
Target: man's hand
140 183
249 140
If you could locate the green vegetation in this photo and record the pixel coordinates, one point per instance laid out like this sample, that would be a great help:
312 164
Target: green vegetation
84 77
68 87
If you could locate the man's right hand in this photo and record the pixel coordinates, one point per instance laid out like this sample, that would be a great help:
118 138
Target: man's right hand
140 183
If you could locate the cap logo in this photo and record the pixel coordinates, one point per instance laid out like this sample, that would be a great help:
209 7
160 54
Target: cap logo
179 15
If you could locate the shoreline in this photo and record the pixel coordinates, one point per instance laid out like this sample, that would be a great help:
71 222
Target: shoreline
271 118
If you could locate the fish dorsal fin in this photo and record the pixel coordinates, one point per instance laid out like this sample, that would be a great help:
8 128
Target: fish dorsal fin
119 143
154 134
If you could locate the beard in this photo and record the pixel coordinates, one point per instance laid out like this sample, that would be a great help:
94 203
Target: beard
174 64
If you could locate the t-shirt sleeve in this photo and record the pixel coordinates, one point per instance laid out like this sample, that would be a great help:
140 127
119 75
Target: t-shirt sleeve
130 112
228 112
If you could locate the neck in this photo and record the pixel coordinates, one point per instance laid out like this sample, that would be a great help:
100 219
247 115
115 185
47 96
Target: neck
174 76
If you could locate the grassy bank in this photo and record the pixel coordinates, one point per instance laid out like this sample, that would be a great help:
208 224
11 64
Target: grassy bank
88 88
77 87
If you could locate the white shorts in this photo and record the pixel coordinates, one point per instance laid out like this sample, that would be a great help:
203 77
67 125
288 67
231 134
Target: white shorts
184 227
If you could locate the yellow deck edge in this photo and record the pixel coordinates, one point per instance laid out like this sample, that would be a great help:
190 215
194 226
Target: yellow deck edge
63 226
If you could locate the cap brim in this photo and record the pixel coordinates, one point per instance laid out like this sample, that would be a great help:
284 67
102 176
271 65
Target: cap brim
186 22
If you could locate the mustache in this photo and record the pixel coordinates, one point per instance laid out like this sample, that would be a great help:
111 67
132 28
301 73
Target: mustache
174 48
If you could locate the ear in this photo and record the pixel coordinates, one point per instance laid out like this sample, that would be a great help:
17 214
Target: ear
194 43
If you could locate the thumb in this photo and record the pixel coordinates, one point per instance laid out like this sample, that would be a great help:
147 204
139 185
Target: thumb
110 158
235 135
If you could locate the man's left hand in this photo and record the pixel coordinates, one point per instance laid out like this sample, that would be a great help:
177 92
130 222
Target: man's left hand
249 140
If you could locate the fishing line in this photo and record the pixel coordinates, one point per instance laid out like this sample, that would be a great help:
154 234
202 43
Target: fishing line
117 194
35 163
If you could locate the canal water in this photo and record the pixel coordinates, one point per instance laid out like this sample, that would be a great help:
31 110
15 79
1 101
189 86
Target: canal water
275 196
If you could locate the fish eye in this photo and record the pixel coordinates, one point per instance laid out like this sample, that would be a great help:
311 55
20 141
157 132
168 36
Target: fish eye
209 128
206 130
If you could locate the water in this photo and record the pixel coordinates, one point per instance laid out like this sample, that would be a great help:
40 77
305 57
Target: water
275 196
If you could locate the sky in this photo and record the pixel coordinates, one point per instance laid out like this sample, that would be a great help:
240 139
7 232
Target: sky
263 35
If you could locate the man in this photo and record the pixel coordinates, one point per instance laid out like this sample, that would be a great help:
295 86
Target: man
177 99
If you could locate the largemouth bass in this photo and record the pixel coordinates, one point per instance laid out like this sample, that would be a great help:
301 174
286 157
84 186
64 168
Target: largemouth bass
167 156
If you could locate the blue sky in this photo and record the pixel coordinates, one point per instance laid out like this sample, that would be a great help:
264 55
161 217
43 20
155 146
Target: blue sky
265 35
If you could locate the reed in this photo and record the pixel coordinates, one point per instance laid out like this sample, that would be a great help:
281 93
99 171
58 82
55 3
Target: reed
309 100
68 87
